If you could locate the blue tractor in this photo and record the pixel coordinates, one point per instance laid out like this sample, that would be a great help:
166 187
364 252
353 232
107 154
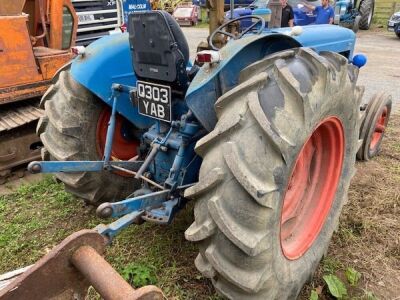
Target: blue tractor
263 137
349 14
302 16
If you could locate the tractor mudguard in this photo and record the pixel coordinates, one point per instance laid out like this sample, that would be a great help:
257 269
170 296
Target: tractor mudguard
107 61
211 83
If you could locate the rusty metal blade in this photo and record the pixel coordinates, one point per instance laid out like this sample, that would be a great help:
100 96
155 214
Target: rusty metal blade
70 268
53 276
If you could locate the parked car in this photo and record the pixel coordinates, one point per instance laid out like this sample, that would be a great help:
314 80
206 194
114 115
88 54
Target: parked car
394 24
187 14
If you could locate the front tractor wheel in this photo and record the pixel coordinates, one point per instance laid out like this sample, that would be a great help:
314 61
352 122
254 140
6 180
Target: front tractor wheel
275 174
74 128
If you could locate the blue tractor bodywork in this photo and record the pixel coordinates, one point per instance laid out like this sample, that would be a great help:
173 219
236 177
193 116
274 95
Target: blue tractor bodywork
107 61
111 57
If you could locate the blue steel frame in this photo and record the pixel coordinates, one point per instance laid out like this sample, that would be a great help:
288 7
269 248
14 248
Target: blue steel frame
159 206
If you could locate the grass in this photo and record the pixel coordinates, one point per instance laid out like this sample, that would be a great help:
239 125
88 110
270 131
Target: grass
38 216
35 218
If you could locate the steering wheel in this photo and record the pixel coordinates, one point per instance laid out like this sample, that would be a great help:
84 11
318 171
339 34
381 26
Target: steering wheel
219 30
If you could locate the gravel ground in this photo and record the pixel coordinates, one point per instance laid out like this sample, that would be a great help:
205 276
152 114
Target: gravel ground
382 72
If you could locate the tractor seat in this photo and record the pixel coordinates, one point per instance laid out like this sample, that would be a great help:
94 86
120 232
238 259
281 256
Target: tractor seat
159 48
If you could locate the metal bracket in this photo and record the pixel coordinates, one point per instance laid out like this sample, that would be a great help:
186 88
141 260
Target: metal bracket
163 214
70 268
111 230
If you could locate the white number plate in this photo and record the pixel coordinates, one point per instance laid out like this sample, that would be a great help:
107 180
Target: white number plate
85 18
391 23
154 100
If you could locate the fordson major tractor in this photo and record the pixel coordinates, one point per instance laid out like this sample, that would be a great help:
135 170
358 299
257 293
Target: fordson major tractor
264 137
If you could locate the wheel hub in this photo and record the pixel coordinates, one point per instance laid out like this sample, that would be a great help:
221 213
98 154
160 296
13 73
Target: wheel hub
124 146
312 187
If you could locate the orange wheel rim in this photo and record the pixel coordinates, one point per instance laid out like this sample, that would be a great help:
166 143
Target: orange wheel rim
123 148
379 129
312 188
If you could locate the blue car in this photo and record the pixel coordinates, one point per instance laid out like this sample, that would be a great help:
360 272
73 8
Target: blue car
394 24
302 15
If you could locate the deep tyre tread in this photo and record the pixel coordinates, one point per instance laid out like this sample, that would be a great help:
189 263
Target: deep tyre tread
262 125
68 132
366 8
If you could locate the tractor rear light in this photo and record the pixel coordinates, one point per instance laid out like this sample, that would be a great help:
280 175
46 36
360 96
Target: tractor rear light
123 27
78 50
208 56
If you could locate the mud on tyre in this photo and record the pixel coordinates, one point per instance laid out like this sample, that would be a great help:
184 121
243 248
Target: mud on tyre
289 128
70 131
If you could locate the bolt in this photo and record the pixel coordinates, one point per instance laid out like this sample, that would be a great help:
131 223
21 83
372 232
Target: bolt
36 168
104 210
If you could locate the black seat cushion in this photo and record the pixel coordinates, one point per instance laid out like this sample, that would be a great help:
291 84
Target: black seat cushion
159 48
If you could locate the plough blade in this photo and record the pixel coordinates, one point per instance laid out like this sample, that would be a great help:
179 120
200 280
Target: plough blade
68 270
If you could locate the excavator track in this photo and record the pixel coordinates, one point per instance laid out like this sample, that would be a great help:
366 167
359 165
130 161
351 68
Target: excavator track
19 143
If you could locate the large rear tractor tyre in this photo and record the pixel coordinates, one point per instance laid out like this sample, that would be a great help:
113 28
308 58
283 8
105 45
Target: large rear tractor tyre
74 128
275 174
373 126
366 11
